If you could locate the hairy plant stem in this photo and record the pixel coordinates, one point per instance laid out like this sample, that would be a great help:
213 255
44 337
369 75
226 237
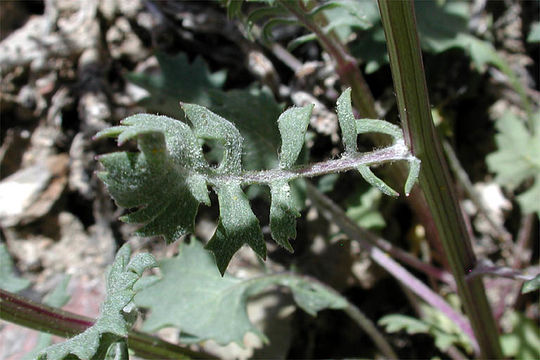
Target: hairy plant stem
409 82
333 213
348 162
25 312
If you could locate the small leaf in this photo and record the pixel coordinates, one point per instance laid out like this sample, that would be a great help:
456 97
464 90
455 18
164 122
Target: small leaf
237 226
8 280
534 33
372 179
292 125
301 40
531 285
164 183
414 171
113 323
203 305
283 214
347 122
397 322
272 23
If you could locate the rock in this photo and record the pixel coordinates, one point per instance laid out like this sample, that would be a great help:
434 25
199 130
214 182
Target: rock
31 192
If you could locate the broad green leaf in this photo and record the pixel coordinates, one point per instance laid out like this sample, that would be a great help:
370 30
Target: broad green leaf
516 158
531 285
114 321
237 226
292 125
178 81
9 281
524 340
196 299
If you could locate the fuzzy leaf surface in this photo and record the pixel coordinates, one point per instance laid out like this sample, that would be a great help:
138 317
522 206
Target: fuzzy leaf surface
196 299
237 226
114 322
517 160
156 180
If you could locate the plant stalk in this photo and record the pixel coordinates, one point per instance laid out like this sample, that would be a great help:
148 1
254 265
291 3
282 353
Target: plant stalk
412 98
24 312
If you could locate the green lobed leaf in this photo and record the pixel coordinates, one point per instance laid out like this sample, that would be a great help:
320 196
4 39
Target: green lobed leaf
9 281
114 321
344 18
196 299
155 180
516 158
164 183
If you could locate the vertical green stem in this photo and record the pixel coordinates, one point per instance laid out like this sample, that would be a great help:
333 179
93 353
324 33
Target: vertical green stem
409 81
